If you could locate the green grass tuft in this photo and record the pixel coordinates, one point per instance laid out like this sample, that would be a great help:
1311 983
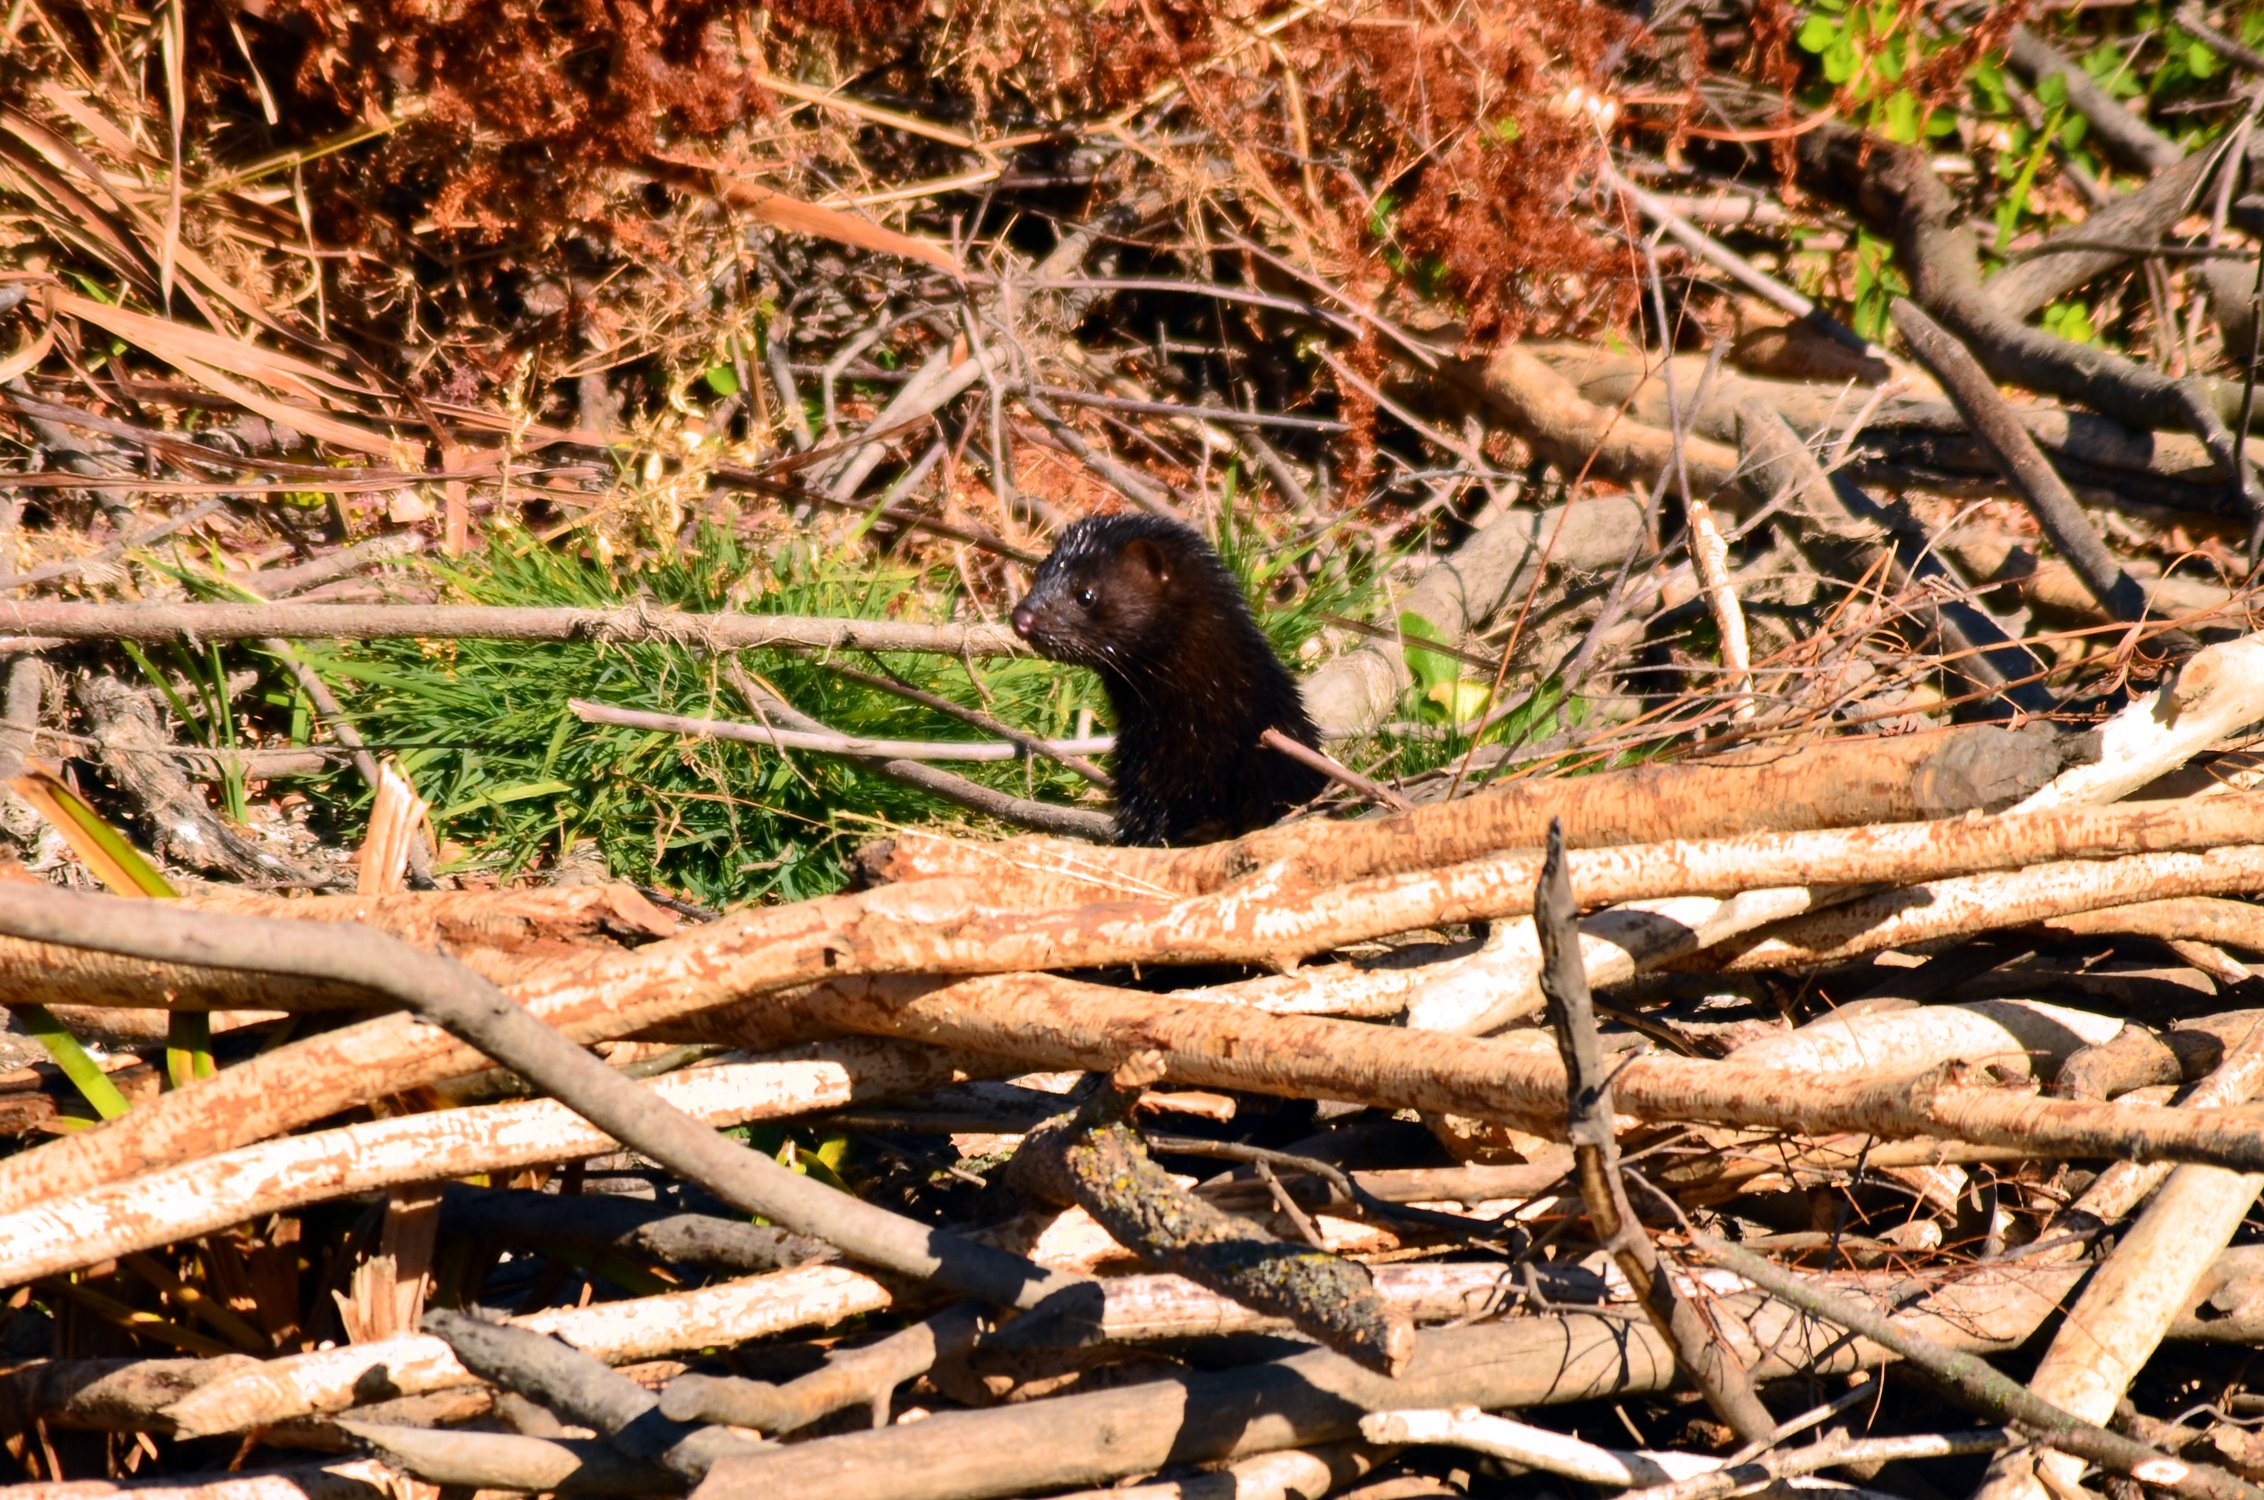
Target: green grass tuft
483 729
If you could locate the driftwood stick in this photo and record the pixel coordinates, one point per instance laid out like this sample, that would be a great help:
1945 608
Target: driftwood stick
262 1393
207 1193
372 622
1825 784
1984 903
507 1460
586 1391
2024 464
1526 1446
340 1479
1336 770
831 742
447 993
1711 1365
2234 924
1062 1023
1833 1451
867 1375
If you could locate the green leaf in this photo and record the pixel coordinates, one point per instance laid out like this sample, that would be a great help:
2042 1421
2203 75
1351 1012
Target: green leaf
722 379
1902 117
1430 669
2070 321
499 797
1817 33
85 1073
1462 700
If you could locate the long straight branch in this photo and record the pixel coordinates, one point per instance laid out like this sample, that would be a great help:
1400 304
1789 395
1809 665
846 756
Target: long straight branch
43 620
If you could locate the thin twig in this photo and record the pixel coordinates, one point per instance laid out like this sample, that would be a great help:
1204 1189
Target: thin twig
1970 1381
829 742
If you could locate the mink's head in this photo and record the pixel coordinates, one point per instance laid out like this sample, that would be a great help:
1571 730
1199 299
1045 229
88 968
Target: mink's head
1105 597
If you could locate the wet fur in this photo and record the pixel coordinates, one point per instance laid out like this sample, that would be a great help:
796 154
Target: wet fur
1147 605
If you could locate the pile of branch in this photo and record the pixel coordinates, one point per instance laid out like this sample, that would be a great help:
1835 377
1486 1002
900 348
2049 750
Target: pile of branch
1273 1167
950 970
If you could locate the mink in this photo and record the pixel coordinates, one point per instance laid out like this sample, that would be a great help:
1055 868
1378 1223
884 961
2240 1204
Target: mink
1145 603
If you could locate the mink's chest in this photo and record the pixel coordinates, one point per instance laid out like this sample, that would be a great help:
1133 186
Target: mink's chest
1201 778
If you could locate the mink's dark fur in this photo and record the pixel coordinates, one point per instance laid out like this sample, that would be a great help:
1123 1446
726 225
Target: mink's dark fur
1147 604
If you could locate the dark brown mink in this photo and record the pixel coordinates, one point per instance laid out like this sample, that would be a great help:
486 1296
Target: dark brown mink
1147 604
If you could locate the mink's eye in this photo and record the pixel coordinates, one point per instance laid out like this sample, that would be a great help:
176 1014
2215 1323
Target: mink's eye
1085 598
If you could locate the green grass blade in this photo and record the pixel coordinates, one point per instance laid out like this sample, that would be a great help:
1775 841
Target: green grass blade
85 1073
114 861
188 1047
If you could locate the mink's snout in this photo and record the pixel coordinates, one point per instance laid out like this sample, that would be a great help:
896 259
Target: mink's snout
1025 619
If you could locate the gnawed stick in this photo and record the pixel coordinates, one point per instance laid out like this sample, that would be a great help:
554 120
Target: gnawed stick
1829 783
948 927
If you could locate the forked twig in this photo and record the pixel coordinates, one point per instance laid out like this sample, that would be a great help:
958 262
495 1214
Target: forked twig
1720 1376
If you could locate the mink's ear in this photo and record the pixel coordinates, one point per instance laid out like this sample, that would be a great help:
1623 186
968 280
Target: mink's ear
1143 553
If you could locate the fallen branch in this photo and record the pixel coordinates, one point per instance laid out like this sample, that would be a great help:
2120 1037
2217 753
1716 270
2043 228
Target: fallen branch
40 620
1062 1023
438 987
208 1193
331 1380
1823 784
1711 1365
830 743
1986 903
2056 512
586 1391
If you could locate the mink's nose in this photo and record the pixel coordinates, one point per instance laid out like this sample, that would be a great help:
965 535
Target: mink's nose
1025 620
